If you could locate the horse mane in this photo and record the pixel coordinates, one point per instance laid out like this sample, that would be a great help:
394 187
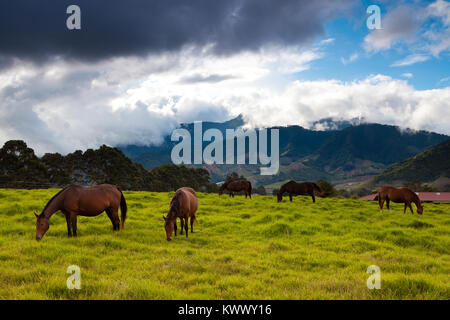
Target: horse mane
416 199
51 200
174 206
317 187
224 185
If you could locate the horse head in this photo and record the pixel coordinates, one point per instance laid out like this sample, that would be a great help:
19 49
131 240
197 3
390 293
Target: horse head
42 226
170 219
420 209
279 196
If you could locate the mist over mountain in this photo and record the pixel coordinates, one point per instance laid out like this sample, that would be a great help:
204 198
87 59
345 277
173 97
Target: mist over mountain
340 151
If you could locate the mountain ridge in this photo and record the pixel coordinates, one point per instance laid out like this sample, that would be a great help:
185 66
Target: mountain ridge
357 150
427 166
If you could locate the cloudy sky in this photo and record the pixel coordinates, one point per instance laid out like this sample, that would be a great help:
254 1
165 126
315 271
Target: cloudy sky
137 68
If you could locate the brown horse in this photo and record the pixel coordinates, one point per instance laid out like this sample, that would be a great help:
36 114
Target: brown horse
76 200
295 188
183 205
236 185
402 195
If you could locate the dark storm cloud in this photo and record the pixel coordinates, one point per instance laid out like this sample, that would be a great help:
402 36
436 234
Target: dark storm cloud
36 29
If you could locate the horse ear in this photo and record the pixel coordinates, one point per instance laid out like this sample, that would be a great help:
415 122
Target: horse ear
164 218
35 214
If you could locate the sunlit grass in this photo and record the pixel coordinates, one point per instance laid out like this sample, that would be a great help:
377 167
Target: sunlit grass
241 249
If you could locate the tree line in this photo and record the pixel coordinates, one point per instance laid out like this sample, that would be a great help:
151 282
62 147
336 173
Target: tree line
21 168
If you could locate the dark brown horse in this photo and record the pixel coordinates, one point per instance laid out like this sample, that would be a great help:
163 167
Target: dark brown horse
236 186
183 205
398 195
295 188
76 200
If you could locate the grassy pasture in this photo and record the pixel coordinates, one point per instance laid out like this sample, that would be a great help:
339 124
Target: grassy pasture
241 249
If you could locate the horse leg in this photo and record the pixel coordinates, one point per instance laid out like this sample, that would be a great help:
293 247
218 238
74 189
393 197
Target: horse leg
404 210
387 205
182 225
114 218
175 227
69 231
381 203
110 216
410 207
115 212
73 221
192 224
290 197
313 197
186 228
245 194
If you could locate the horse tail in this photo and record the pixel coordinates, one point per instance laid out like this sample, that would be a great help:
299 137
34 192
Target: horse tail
123 209
316 187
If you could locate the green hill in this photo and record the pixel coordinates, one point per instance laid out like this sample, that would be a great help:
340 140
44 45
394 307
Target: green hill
21 168
427 166
352 150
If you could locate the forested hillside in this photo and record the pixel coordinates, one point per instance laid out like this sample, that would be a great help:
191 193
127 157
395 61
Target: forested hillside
21 168
432 164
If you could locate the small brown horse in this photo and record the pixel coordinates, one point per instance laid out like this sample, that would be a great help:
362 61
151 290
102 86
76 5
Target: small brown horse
402 195
236 185
295 188
76 200
183 205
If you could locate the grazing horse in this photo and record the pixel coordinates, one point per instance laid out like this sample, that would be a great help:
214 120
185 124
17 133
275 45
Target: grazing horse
236 185
76 200
295 188
183 205
398 195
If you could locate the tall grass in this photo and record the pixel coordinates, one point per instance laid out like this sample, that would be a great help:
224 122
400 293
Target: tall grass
241 249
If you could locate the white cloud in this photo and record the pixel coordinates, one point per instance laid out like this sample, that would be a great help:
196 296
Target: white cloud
352 58
409 60
407 75
400 24
438 36
377 99
423 31
327 41
66 106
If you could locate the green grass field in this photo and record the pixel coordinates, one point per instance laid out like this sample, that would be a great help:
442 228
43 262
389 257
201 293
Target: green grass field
241 249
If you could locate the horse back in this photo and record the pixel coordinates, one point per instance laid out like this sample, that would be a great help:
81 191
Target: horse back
298 187
92 200
238 185
188 200
396 194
